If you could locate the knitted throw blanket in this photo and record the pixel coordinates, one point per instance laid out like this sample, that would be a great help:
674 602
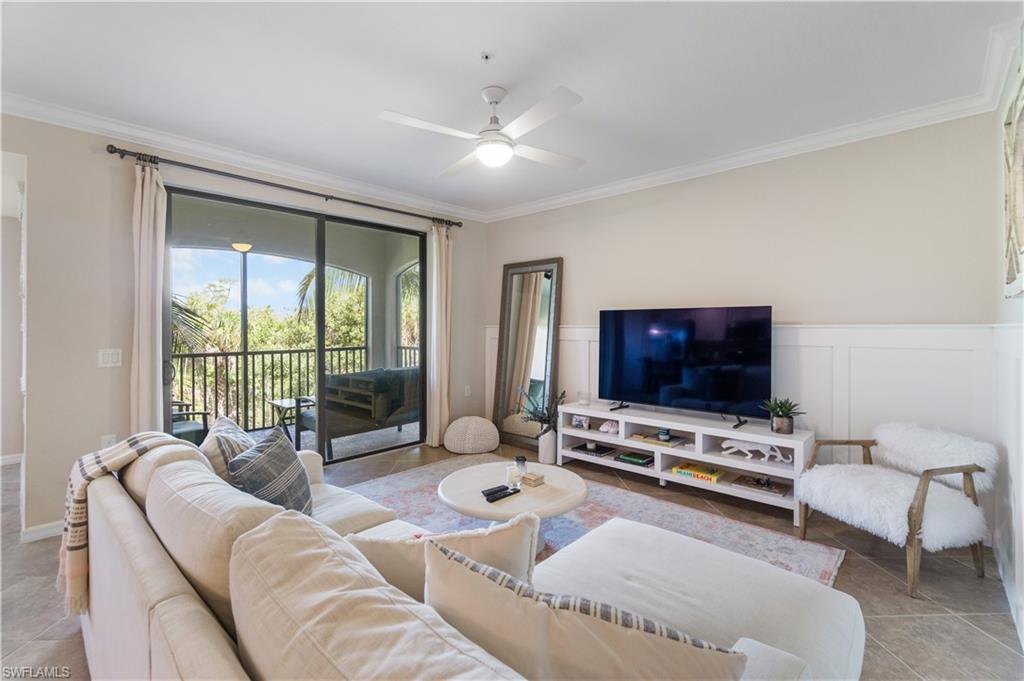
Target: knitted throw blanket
73 577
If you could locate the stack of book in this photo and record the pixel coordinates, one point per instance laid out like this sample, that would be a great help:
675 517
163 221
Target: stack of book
699 472
674 441
593 449
636 458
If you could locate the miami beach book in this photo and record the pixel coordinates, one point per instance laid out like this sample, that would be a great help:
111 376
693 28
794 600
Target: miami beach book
699 472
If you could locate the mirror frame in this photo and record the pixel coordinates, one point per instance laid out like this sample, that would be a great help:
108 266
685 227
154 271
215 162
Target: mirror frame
553 265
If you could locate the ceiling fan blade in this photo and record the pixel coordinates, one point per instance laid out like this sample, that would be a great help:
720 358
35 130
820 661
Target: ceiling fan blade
460 165
402 119
555 104
548 158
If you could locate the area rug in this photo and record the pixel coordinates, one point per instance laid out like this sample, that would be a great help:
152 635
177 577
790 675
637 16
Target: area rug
413 495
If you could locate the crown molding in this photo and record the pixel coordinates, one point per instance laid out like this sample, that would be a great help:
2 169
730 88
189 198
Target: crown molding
45 112
1002 44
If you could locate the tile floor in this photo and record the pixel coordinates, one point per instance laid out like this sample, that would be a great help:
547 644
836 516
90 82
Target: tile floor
959 628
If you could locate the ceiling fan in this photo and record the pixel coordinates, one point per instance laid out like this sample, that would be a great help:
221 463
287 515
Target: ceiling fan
497 144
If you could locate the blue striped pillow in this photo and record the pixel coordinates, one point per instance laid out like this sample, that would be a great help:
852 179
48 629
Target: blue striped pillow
271 470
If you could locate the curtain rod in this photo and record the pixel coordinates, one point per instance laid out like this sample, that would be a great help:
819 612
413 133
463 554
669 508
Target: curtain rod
150 158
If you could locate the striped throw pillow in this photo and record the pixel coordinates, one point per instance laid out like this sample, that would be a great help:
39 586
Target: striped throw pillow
271 470
548 636
225 441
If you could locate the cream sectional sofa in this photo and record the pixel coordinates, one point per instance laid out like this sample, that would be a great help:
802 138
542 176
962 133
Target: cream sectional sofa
160 543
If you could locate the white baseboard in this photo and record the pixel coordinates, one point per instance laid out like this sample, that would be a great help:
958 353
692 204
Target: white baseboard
8 459
44 531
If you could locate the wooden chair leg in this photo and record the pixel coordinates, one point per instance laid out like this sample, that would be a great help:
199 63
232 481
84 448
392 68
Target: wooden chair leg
803 521
978 554
913 566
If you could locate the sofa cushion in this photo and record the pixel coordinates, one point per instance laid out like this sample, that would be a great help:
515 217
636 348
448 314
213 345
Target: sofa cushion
392 529
136 476
346 512
189 644
225 441
765 663
711 593
197 517
310 606
129 574
551 636
314 464
511 547
271 470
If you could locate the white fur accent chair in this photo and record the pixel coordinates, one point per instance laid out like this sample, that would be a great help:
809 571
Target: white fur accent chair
895 499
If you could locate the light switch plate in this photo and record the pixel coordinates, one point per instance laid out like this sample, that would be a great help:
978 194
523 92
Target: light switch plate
467 392
108 357
108 440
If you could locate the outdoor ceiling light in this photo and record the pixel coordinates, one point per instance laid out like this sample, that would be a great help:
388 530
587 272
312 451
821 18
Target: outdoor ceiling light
241 246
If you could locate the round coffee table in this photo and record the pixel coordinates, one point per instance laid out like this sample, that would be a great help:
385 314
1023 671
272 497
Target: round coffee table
562 491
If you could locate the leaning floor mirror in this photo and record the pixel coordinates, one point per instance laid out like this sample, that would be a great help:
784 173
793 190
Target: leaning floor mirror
527 368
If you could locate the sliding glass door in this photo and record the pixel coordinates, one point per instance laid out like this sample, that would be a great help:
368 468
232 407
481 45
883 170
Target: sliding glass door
376 402
251 335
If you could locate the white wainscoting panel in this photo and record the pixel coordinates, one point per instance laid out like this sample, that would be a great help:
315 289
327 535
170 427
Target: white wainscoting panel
1008 537
847 378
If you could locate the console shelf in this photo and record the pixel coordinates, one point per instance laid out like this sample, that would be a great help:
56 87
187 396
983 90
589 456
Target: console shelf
702 441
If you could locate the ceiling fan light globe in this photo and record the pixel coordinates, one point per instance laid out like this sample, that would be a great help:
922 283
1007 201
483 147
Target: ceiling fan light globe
494 153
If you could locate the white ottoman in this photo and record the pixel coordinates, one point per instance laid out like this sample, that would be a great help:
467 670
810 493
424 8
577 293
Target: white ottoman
471 435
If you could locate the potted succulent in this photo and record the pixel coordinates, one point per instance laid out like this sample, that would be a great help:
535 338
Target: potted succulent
547 416
782 410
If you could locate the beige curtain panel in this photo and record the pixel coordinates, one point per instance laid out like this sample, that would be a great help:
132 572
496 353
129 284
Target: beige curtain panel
149 216
439 329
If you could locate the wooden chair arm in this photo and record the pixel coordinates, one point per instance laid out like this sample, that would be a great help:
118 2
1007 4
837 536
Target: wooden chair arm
865 446
966 469
915 514
869 443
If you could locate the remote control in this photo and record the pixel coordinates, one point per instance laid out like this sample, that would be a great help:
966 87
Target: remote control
501 495
494 490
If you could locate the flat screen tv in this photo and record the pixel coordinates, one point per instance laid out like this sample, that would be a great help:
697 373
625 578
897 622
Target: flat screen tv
710 359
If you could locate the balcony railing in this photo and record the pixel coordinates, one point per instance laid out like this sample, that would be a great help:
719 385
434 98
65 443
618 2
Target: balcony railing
213 381
408 356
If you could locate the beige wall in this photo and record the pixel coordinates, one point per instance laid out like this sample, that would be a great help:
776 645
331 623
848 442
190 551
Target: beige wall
889 230
11 433
80 295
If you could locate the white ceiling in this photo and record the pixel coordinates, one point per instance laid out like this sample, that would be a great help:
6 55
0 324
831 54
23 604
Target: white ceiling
669 90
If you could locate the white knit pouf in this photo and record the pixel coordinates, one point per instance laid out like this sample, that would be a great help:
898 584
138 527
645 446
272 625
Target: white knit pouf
471 435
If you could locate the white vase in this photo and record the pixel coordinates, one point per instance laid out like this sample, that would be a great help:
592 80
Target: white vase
546 447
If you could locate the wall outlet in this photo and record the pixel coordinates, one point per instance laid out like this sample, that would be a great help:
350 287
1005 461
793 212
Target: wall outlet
108 440
108 357
467 392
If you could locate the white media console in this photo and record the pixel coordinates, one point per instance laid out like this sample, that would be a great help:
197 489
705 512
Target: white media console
702 439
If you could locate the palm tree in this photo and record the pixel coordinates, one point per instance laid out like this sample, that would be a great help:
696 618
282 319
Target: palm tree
189 329
337 280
